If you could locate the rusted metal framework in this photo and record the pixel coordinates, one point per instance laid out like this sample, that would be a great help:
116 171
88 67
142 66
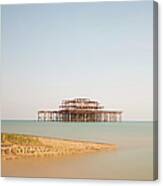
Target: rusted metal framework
80 110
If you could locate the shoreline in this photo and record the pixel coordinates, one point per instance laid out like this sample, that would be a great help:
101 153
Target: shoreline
17 146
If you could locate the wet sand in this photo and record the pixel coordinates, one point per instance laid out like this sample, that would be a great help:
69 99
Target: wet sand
16 146
89 166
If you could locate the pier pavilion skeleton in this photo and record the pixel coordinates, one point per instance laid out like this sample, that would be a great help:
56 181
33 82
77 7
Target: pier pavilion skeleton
80 110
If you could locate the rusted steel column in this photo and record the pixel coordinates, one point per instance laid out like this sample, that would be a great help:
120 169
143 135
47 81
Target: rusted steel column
120 116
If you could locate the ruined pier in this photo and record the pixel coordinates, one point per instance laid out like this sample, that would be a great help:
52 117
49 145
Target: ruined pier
80 110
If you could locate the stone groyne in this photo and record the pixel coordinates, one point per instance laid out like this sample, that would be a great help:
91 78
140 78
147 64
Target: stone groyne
16 146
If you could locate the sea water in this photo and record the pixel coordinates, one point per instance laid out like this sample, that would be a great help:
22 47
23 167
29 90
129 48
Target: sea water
133 158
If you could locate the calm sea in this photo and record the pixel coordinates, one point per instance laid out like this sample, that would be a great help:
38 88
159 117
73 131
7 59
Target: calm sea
132 160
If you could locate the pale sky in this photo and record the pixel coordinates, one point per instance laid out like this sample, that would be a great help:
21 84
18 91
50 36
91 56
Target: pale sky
103 51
